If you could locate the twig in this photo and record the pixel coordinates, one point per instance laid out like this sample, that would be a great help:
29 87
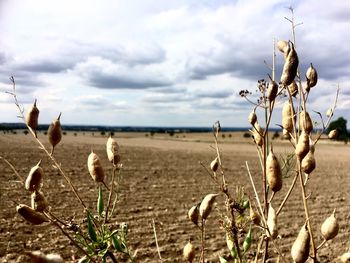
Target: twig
13 169
110 193
155 237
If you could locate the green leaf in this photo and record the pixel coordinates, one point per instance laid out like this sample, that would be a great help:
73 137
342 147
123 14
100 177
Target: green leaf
91 229
245 204
222 260
116 243
100 206
247 241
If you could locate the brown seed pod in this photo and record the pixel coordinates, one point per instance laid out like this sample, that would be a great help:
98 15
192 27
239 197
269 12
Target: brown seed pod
257 131
287 117
329 112
303 146
32 118
254 216
39 202
273 172
112 148
333 134
272 223
283 46
311 77
345 258
272 90
193 214
305 122
95 168
214 165
301 246
40 257
31 215
308 164
290 66
189 252
55 132
34 178
207 205
330 227
252 118
293 88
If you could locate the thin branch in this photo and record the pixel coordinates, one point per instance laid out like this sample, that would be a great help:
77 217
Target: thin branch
155 237
13 169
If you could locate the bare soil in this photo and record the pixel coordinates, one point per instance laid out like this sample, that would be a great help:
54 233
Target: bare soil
162 179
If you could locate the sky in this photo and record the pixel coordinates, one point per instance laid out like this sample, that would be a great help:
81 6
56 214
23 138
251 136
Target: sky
164 63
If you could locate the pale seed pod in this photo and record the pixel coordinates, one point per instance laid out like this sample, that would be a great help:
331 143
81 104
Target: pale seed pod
330 227
287 117
55 132
303 146
32 118
272 223
34 178
193 214
252 118
40 257
257 134
254 216
273 172
345 258
272 90
308 164
207 205
305 122
301 246
95 168
39 202
293 88
31 215
329 112
283 46
214 165
189 252
290 66
311 76
333 134
112 148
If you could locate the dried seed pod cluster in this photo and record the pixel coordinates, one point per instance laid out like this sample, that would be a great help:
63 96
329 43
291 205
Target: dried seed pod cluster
330 227
257 134
303 146
301 246
112 148
272 90
283 46
32 118
34 178
189 252
290 66
311 77
273 172
55 132
308 164
193 214
305 122
333 134
252 118
272 223
287 119
95 168
207 205
39 202
293 88
30 214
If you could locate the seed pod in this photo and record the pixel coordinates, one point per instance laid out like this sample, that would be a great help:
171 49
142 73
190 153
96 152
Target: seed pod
254 216
272 90
112 150
252 118
287 117
305 122
285 134
301 246
40 257
39 202
189 252
283 46
303 146
55 132
31 215
333 134
230 245
272 223
95 168
33 181
329 112
345 258
207 205
290 66
273 172
293 88
311 76
257 134
214 165
330 227
32 118
247 241
308 164
193 214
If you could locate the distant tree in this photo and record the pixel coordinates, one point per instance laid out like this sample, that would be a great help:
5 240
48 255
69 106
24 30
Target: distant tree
275 135
171 133
64 133
103 133
340 125
25 132
247 135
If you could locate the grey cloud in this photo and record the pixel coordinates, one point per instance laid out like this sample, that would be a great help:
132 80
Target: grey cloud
25 82
215 94
45 66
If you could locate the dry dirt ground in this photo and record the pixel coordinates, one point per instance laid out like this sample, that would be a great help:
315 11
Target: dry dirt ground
162 179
